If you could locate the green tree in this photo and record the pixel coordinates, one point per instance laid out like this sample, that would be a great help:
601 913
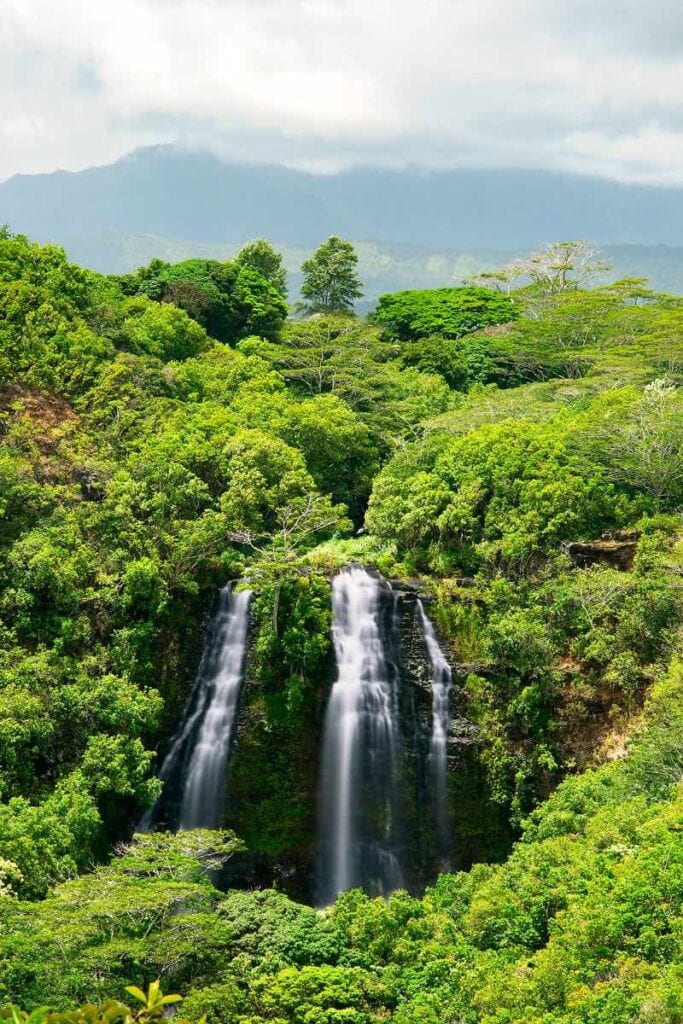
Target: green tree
229 300
348 358
259 255
646 450
331 283
442 356
271 502
559 267
446 312
165 332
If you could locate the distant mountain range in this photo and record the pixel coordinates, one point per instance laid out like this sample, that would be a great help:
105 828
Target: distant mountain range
427 228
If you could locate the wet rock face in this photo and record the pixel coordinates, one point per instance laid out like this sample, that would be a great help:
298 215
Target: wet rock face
416 672
192 767
465 785
274 776
416 723
273 781
616 550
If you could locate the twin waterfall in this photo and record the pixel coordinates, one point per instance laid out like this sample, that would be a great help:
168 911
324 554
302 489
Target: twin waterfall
364 817
195 767
442 679
358 807
362 826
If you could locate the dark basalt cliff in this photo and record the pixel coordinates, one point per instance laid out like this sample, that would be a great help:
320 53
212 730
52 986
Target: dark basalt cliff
274 773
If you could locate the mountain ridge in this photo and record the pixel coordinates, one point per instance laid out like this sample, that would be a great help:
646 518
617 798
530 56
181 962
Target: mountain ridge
194 194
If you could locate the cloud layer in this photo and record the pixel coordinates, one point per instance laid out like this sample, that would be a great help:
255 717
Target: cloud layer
589 85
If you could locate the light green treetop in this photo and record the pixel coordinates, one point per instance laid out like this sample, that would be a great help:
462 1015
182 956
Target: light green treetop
331 282
259 255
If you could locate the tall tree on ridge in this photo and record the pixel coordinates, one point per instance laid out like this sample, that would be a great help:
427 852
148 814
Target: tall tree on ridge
331 282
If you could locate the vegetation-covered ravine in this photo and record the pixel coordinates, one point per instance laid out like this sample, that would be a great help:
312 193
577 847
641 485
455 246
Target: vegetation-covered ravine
511 452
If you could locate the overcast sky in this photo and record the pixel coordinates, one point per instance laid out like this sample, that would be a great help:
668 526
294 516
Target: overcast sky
589 85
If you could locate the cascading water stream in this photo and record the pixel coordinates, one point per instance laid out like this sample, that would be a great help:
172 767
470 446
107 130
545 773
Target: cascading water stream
359 785
199 752
438 742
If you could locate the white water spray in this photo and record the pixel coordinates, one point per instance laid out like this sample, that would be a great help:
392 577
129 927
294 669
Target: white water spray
438 744
361 740
199 752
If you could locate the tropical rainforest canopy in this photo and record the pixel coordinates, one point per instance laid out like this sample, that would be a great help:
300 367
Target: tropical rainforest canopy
517 456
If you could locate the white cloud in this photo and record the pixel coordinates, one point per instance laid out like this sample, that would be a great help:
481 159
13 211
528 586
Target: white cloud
331 83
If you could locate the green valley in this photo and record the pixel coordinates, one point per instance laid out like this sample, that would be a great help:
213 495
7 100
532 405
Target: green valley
503 460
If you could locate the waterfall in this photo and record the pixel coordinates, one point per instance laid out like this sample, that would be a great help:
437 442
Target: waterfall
438 743
359 784
199 751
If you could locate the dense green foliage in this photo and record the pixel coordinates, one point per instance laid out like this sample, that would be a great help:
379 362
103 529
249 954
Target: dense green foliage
582 921
168 431
143 463
231 300
260 256
155 1006
442 312
273 785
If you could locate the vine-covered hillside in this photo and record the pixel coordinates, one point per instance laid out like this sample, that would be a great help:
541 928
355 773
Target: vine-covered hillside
514 455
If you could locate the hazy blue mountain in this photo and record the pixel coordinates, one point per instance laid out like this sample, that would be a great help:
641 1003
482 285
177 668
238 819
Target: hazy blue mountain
180 194
429 228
